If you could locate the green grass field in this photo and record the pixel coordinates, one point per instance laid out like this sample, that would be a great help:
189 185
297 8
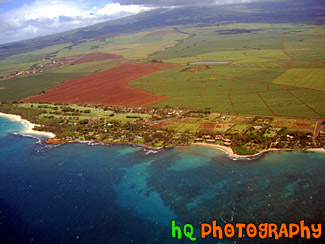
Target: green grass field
308 78
264 63
240 56
274 69
282 104
210 89
140 45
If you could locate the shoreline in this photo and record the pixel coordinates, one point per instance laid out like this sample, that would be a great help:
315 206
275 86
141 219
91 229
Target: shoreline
29 126
228 150
317 150
231 153
98 142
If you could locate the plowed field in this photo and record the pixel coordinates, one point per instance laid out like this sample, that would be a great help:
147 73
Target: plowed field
109 87
207 127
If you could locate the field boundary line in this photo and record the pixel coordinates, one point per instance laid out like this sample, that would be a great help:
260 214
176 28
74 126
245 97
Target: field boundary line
249 89
232 105
266 104
285 53
254 73
198 95
305 104
264 82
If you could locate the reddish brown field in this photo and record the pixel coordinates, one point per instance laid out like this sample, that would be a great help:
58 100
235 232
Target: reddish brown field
90 57
303 126
161 124
109 87
208 127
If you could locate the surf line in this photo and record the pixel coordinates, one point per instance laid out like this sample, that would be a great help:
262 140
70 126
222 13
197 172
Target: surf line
262 231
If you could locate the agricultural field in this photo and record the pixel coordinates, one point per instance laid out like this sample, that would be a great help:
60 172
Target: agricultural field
238 57
141 45
249 79
21 87
308 78
238 129
212 89
108 87
295 125
250 69
24 61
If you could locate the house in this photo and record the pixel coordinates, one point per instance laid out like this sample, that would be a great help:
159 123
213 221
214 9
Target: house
257 127
198 140
322 130
285 142
218 137
227 144
273 131
210 141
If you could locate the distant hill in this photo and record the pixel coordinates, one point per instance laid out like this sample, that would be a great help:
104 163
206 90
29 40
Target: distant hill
279 12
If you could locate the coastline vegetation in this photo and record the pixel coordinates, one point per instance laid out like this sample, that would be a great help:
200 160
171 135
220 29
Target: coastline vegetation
168 127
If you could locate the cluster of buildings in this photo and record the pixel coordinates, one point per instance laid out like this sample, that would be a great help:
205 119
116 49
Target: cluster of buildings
210 139
36 68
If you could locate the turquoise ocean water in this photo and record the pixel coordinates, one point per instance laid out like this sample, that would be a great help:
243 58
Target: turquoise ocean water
89 194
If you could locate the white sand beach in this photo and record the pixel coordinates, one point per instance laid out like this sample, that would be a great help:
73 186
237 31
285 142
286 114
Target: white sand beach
318 150
231 153
29 126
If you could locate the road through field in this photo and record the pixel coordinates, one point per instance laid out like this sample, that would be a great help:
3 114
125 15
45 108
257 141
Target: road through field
285 53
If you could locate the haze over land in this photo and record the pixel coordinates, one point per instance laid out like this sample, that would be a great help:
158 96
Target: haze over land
25 19
31 18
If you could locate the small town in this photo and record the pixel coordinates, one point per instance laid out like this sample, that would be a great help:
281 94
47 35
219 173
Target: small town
167 127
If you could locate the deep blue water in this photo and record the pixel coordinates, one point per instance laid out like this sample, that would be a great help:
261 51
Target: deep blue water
94 194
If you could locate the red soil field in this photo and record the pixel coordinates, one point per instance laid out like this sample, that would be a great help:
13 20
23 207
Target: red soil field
90 57
208 127
161 125
304 126
109 87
